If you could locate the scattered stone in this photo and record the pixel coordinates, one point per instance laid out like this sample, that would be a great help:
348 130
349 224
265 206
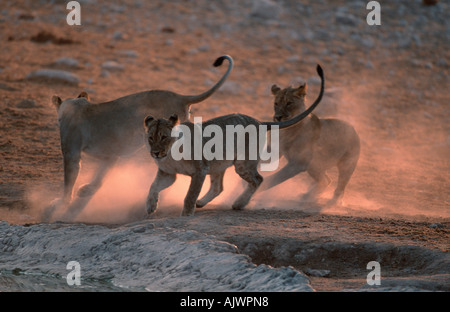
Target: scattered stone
367 42
321 34
128 53
230 87
112 66
293 58
192 51
442 62
369 65
119 36
204 48
346 19
281 70
317 273
436 225
26 104
66 62
314 80
265 9
55 75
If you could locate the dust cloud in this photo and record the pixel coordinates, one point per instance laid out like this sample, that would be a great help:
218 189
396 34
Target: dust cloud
396 173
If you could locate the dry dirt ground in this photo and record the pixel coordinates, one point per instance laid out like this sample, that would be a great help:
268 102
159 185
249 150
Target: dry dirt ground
389 81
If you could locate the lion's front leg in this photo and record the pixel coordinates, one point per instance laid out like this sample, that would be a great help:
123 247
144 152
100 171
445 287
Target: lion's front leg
162 181
193 193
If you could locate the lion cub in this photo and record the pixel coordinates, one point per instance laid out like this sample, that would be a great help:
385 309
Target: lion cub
160 143
313 145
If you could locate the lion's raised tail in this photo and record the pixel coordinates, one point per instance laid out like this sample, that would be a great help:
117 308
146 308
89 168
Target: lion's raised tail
192 99
299 117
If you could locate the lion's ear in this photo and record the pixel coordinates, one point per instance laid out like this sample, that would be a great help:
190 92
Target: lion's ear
173 119
84 95
275 89
147 121
56 100
302 90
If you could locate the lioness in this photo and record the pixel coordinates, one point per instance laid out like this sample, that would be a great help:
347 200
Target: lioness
110 130
314 145
160 144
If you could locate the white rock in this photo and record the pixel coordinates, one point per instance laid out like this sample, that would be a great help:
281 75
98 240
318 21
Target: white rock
112 66
119 36
128 53
157 259
55 75
293 59
317 273
66 62
204 48
346 19
26 104
314 80
436 225
231 87
265 9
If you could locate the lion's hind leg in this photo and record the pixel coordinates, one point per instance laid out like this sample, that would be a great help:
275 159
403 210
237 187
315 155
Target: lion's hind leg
88 190
346 166
248 171
321 182
71 162
215 189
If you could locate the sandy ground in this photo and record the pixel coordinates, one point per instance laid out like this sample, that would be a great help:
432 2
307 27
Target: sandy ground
389 81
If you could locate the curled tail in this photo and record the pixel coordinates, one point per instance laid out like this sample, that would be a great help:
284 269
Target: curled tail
201 97
299 117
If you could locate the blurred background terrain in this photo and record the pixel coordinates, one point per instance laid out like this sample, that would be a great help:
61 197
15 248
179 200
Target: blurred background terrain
389 81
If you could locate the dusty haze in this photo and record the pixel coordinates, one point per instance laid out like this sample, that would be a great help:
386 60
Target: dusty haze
390 82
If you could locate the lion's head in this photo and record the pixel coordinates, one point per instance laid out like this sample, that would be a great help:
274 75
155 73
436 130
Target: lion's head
57 101
158 135
288 102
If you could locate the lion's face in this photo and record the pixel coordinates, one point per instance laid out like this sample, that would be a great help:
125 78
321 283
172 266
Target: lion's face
288 102
158 134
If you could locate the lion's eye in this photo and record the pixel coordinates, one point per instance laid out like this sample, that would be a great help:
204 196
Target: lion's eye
289 104
150 140
163 138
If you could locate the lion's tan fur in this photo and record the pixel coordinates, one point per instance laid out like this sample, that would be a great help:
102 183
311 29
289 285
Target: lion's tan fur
314 145
160 142
112 129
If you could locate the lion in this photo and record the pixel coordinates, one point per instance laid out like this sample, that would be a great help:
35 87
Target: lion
160 143
110 130
314 145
